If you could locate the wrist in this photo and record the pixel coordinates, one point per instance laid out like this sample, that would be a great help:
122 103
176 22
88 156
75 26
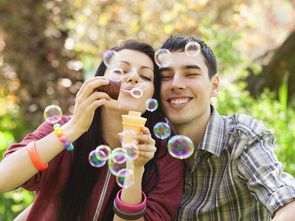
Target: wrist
71 131
138 170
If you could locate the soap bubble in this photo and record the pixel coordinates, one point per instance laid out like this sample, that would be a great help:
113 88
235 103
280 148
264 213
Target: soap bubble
116 74
136 92
131 150
192 48
110 58
94 161
162 130
128 136
125 178
151 104
53 114
180 147
163 57
103 152
119 160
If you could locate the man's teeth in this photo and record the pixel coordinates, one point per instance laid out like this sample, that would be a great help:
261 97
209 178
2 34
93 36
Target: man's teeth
179 100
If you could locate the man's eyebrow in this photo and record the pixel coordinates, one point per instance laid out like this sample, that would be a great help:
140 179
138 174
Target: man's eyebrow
191 67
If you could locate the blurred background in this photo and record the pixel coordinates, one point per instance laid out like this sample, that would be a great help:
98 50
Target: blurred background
49 47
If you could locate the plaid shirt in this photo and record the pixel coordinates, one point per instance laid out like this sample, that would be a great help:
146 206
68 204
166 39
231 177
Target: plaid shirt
236 174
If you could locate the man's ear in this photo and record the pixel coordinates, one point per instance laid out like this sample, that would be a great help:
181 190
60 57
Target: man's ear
216 84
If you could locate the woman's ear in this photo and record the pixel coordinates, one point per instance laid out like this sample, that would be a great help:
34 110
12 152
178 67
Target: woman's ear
216 84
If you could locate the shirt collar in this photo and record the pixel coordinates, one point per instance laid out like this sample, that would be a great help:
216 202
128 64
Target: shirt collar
214 137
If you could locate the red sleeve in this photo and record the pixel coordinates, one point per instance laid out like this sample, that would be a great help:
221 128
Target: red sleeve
163 200
34 183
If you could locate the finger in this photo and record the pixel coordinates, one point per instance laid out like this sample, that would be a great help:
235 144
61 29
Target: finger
96 104
146 155
93 97
146 131
96 96
145 139
146 148
84 85
90 87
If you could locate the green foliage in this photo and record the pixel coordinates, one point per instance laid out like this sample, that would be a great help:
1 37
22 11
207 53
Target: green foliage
274 114
11 203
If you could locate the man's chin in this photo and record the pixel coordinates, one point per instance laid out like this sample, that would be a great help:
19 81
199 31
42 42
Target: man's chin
177 120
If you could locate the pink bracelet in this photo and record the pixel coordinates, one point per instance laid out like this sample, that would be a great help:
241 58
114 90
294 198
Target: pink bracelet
129 207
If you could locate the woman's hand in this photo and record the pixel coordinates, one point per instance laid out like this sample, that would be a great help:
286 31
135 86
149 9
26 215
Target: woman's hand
87 101
146 148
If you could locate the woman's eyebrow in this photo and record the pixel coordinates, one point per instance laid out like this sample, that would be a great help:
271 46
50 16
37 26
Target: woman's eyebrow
147 67
125 62
128 63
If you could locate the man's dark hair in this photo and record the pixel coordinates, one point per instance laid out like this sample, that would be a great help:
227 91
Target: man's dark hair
178 43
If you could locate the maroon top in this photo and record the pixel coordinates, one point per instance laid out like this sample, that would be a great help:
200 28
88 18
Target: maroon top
162 201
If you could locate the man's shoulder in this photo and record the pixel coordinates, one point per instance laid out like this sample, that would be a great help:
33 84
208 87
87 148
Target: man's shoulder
245 126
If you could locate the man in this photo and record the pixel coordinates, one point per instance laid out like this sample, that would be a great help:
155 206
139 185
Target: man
234 173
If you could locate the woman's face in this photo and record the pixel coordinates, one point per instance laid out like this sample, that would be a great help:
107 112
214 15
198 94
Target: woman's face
137 72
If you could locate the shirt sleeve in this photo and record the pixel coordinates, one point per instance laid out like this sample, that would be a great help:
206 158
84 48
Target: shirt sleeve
163 200
35 182
264 174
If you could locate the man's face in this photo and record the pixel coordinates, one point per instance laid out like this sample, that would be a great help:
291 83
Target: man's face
186 88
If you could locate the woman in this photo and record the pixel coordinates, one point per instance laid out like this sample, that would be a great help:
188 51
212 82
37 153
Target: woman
70 189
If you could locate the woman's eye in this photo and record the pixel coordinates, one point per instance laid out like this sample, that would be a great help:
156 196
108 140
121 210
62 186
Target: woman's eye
146 77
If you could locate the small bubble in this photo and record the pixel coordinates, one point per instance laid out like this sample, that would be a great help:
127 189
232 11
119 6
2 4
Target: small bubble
116 74
125 178
94 161
151 104
119 160
53 114
103 152
162 130
162 57
192 48
110 58
180 147
131 150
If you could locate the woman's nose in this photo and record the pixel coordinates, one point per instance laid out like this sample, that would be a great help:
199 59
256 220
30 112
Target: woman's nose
132 77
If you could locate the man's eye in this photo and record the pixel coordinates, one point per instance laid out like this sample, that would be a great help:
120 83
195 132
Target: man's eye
192 74
167 77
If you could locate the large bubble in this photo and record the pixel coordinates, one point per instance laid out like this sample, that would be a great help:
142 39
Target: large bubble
180 147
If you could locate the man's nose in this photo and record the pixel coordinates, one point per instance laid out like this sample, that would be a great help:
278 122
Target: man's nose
177 82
